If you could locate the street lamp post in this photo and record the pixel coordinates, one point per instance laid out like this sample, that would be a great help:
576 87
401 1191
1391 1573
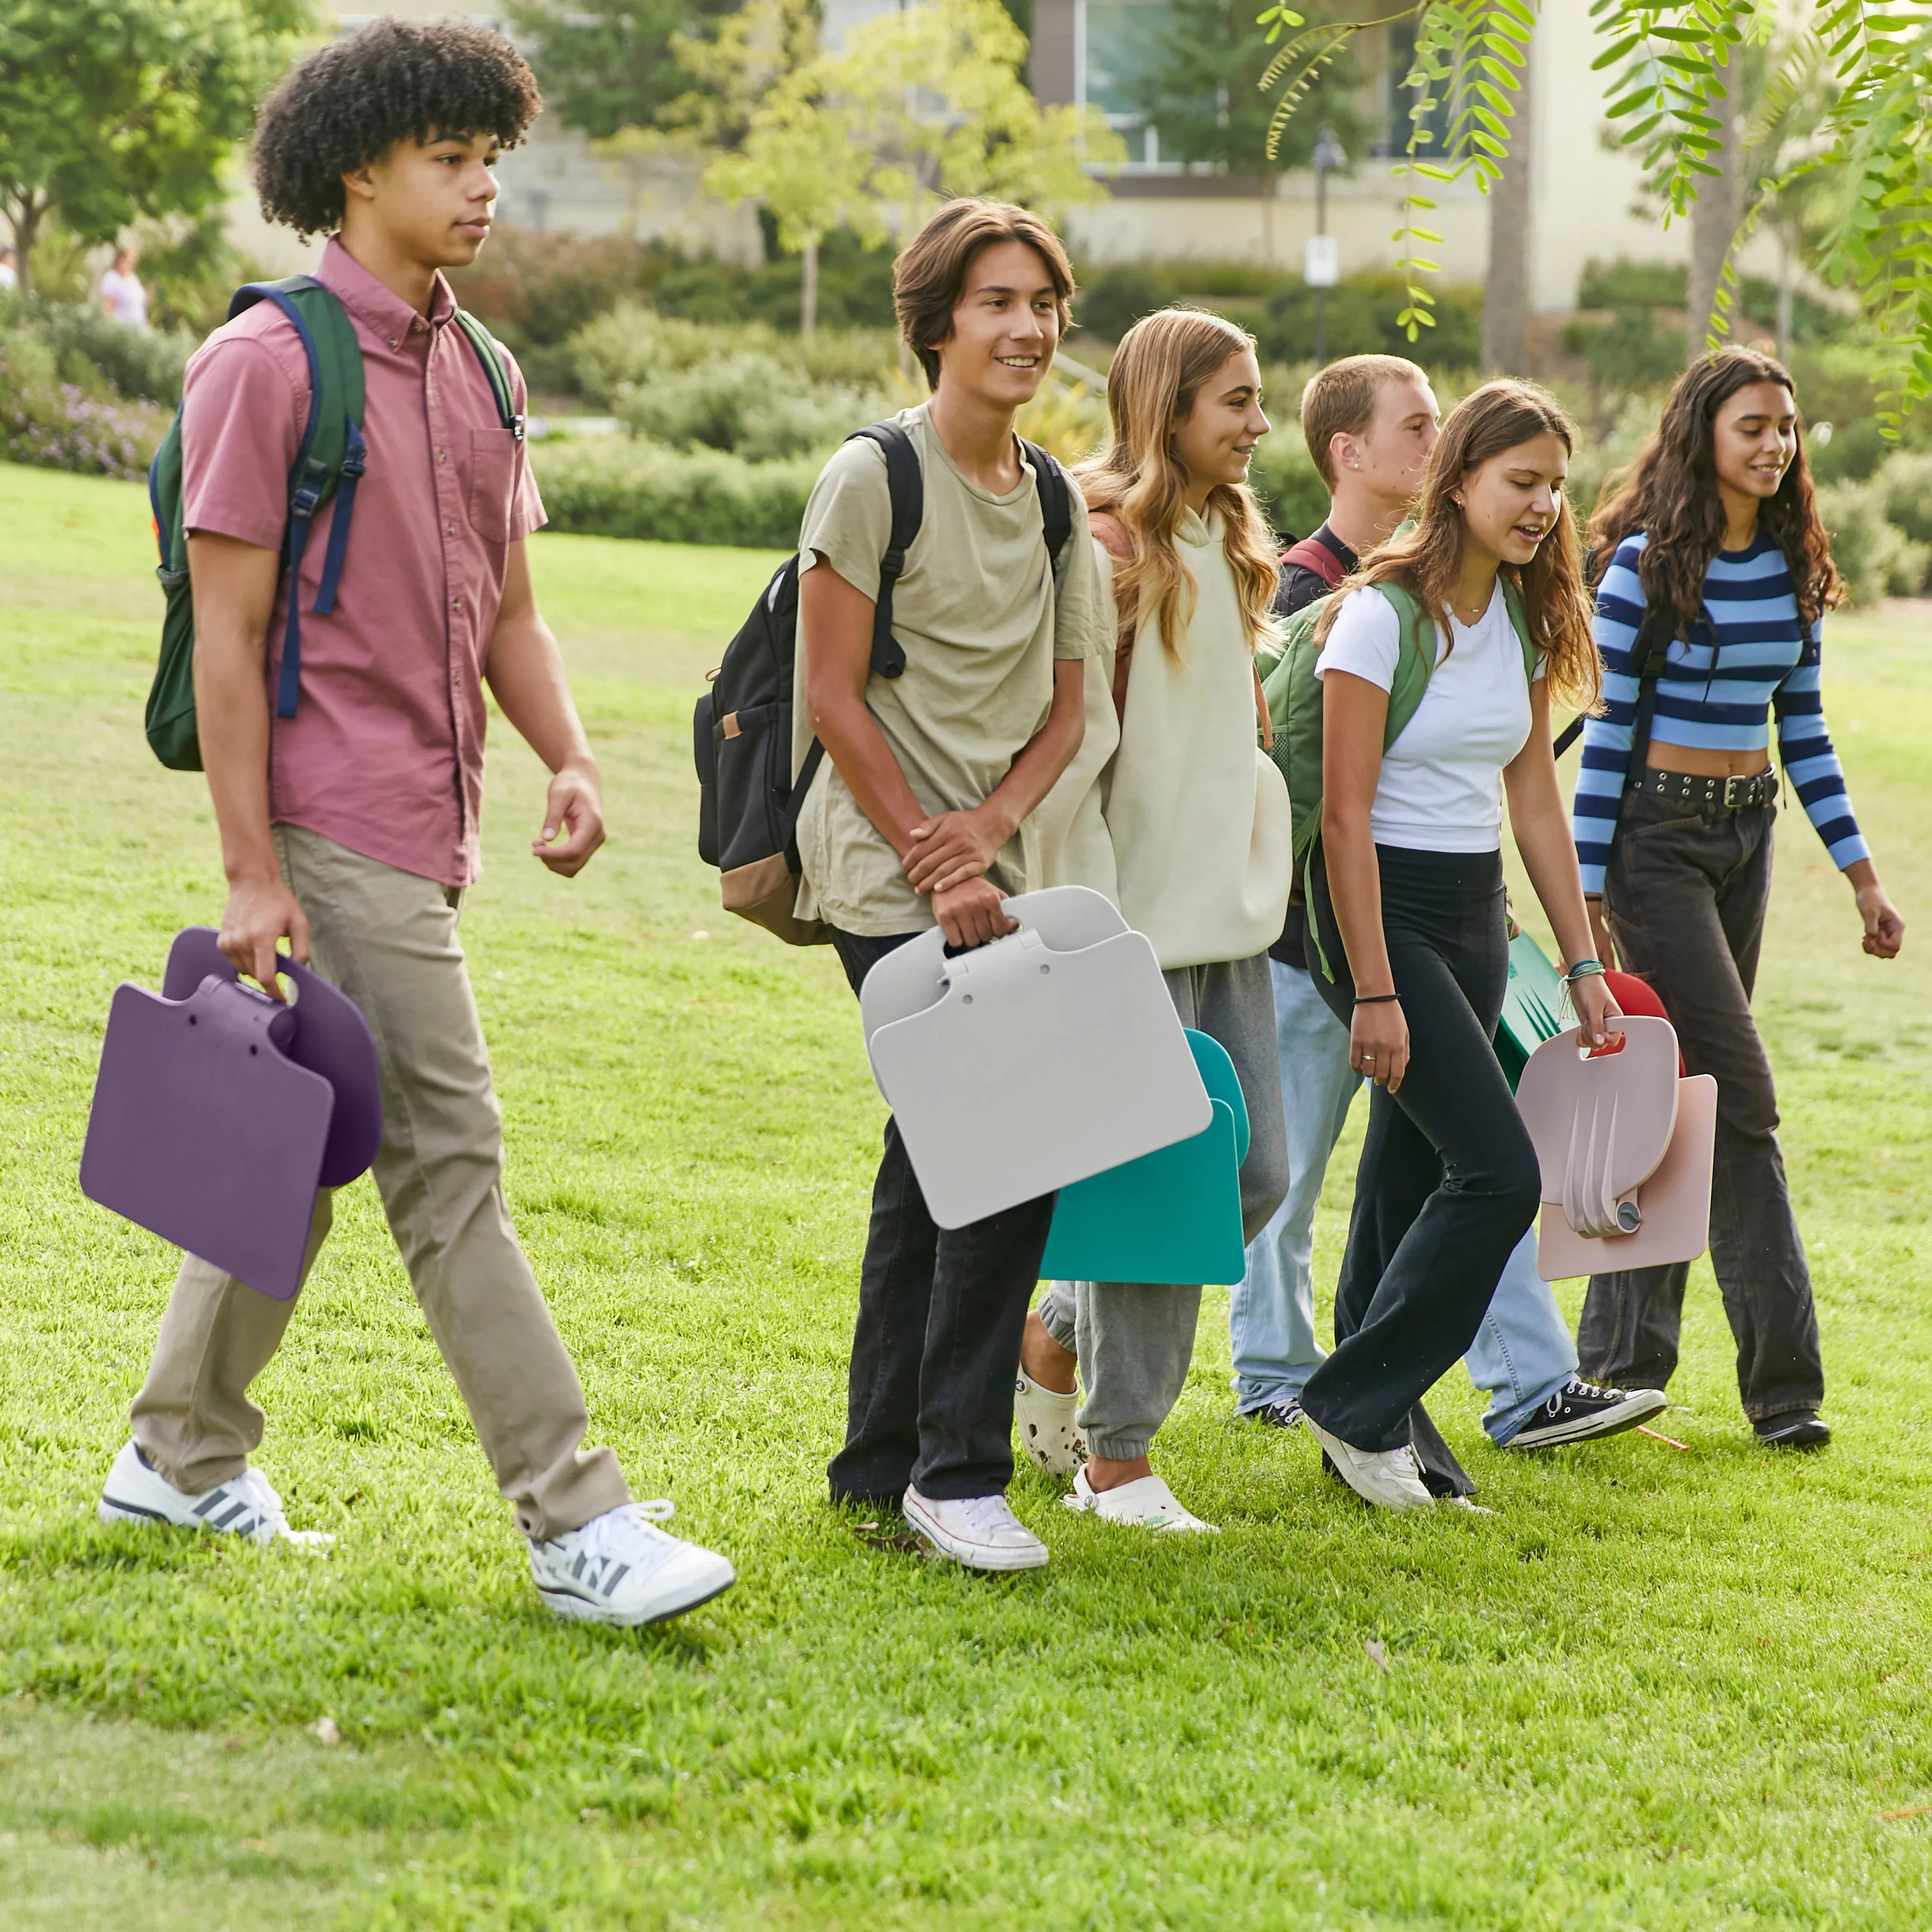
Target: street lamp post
1322 263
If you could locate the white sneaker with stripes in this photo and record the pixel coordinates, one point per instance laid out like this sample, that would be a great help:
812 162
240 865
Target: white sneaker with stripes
620 1568
245 1505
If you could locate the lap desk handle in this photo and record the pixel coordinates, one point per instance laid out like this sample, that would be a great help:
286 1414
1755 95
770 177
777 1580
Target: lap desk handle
1030 1063
217 1113
1625 1147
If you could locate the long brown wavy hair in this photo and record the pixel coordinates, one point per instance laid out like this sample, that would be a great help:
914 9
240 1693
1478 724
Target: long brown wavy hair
1162 365
1671 493
1426 557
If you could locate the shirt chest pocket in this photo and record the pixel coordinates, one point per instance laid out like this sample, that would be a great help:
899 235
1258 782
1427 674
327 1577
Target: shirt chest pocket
493 482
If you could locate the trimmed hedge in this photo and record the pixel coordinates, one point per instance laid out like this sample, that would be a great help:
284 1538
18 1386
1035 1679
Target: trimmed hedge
614 487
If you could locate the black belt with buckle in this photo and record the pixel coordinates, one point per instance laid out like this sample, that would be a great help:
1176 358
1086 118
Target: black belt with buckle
1707 794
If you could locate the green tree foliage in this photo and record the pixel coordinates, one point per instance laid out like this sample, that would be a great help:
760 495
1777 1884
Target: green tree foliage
1200 85
1848 95
916 105
613 63
113 109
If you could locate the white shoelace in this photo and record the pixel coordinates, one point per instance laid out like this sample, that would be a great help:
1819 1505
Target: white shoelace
988 1516
629 1534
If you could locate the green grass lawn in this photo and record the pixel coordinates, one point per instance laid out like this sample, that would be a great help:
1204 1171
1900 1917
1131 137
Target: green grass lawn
1655 1690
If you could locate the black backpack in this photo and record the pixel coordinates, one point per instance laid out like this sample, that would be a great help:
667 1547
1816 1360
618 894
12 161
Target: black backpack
748 802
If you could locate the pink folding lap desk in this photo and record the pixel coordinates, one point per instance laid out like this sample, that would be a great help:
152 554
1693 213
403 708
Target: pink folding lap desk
218 1113
1625 1145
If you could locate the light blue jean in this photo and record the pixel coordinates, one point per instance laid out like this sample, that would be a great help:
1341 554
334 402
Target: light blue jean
1523 1353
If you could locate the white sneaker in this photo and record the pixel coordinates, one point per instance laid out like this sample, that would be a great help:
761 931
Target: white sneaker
1146 1503
1389 1478
982 1532
620 1568
245 1505
1045 1419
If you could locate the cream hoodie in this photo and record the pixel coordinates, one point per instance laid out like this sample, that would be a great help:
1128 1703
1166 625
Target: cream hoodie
1197 813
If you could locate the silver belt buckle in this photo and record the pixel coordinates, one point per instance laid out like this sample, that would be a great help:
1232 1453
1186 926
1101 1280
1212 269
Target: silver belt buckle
1737 791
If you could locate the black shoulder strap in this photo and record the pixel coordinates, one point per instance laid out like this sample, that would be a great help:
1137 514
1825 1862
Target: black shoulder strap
1056 512
906 486
1649 653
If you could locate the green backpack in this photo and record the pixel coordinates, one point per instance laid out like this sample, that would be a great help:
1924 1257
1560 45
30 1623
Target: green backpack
329 462
1294 694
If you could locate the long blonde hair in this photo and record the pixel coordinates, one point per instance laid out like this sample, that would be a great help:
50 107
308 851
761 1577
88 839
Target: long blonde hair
1426 558
1160 367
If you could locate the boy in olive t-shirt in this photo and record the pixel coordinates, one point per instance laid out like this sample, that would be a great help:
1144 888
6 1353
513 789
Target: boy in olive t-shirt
922 814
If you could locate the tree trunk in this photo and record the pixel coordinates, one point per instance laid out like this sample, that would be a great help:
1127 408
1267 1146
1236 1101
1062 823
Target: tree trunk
25 218
1506 293
1714 218
808 290
1787 265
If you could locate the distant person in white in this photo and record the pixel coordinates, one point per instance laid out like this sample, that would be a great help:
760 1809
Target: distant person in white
10 273
120 293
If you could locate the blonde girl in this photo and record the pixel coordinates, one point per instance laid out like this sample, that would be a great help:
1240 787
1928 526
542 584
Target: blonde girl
1198 824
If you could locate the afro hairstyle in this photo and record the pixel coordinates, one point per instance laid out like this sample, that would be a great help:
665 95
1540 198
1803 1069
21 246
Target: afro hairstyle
349 103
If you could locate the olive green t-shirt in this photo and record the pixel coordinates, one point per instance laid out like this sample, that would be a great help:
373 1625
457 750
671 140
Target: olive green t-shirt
981 623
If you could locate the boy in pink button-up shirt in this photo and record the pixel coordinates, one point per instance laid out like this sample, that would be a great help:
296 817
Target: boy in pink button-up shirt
351 828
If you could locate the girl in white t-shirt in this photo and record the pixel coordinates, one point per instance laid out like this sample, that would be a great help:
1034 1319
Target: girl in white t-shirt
122 293
1194 846
1406 886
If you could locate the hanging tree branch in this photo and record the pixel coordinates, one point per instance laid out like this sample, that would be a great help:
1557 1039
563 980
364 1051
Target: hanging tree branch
1670 61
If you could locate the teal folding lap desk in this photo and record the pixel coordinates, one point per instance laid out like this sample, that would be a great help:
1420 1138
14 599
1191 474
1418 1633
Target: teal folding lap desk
1172 1216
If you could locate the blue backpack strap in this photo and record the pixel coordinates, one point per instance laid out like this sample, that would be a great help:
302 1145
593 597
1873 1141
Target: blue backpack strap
906 484
321 470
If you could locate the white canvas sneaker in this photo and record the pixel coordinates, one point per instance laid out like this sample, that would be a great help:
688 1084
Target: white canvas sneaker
1389 1478
1045 1420
620 1568
245 1505
982 1532
1146 1503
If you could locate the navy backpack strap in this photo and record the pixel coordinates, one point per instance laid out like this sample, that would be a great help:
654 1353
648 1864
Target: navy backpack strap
906 485
319 469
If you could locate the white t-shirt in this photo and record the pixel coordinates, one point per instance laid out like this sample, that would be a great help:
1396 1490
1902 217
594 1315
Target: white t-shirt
127 297
1441 783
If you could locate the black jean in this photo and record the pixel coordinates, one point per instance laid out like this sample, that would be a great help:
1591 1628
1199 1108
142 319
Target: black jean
1448 1181
1685 898
936 1353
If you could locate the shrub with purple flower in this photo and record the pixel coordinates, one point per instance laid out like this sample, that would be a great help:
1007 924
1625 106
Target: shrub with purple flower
59 425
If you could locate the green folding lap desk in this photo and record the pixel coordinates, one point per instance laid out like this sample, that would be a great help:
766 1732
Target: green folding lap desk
1533 1007
1171 1215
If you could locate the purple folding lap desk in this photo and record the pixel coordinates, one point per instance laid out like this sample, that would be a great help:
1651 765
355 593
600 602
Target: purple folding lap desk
218 1113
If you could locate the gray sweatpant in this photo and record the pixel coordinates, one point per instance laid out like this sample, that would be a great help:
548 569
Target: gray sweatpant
1135 1339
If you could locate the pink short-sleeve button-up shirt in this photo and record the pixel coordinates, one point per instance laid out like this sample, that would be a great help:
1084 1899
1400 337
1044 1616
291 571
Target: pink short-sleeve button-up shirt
385 753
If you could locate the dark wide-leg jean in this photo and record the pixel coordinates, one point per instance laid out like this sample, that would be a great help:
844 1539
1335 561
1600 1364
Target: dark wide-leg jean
1448 1181
936 1352
1685 898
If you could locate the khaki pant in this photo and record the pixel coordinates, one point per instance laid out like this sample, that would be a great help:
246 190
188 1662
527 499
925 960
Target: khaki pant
388 940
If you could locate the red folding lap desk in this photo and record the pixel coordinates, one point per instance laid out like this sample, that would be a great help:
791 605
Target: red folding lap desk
218 1112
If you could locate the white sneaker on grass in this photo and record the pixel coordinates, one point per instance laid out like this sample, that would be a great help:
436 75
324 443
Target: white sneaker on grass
982 1532
1389 1478
1146 1503
620 1568
245 1505
1045 1419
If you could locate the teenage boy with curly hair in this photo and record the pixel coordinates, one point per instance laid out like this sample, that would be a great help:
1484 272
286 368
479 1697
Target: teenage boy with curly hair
351 828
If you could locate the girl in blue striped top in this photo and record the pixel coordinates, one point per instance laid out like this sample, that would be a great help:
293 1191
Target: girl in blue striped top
1716 575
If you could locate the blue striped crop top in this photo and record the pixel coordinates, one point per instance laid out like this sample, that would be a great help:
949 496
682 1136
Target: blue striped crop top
1748 654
